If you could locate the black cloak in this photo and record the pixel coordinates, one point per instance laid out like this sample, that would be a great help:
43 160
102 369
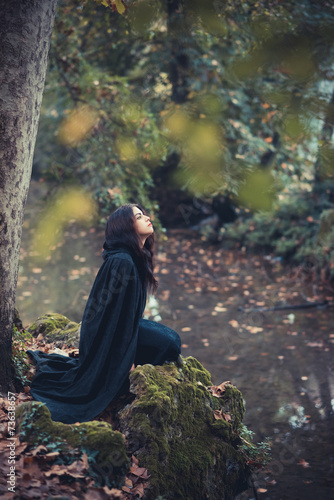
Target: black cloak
78 389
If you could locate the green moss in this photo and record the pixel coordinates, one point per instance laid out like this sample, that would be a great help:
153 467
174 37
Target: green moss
222 428
49 323
97 439
19 358
171 426
56 327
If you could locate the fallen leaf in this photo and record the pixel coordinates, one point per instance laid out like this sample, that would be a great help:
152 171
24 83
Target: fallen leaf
217 414
128 483
138 490
137 471
315 344
49 457
126 489
303 463
234 323
38 450
218 390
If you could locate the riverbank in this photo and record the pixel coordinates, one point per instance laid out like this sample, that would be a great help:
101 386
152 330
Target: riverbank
282 361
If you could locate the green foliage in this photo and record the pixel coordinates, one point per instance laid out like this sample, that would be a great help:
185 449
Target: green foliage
257 81
300 230
257 455
121 144
19 356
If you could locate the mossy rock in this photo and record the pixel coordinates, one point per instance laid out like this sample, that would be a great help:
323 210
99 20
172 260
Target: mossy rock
56 328
169 425
172 429
105 447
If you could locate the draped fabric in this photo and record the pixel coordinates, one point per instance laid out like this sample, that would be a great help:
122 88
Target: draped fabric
113 337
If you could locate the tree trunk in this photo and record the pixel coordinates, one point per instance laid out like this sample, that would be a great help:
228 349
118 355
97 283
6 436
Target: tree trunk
26 27
179 64
325 139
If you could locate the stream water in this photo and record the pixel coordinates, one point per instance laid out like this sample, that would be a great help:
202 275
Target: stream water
282 361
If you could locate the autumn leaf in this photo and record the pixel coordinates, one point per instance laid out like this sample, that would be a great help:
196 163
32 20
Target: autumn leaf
220 415
128 483
303 463
119 6
138 471
219 390
49 457
217 414
138 490
38 450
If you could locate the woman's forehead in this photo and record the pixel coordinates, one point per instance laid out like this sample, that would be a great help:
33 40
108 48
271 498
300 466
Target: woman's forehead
137 210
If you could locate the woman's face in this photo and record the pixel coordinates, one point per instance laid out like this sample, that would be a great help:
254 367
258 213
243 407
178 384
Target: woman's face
143 224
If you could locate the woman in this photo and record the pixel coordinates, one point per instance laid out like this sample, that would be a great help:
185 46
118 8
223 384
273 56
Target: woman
113 336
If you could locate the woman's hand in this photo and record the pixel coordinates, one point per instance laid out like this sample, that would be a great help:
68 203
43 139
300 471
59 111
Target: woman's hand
132 368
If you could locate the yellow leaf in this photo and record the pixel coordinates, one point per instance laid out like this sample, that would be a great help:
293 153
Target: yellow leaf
77 125
119 6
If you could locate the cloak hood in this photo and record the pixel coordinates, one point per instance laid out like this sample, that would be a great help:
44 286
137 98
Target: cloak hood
111 248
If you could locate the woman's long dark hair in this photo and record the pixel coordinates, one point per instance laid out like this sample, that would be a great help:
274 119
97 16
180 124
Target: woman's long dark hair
120 229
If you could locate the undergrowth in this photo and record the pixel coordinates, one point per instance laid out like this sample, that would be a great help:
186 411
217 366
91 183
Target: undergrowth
21 368
257 455
300 231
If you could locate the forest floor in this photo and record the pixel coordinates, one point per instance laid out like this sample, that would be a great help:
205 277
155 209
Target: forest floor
221 303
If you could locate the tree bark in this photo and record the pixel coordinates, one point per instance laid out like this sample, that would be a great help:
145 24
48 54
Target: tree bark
179 64
25 33
325 138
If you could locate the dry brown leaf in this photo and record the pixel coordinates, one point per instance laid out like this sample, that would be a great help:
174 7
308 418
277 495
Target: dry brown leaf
113 493
126 489
137 471
38 450
49 457
84 459
128 483
303 463
218 390
217 414
138 490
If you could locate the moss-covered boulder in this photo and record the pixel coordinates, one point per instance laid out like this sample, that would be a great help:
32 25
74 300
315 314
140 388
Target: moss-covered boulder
183 431
56 328
184 435
105 448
